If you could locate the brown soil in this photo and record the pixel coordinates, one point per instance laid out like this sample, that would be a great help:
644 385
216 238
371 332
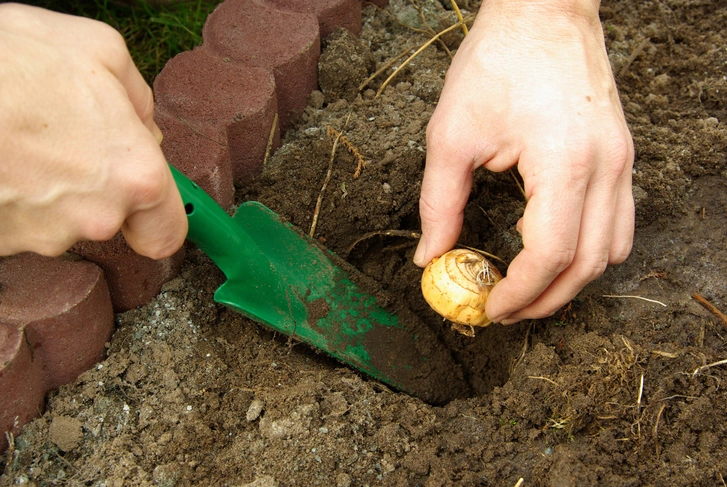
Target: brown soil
607 392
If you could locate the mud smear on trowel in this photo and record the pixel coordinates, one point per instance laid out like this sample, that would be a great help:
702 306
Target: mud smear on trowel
411 355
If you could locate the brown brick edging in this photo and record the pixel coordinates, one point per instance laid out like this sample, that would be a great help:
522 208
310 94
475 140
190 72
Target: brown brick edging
216 106
55 318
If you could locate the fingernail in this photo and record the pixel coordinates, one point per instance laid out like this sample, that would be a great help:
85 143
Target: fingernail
420 252
497 320
510 321
157 133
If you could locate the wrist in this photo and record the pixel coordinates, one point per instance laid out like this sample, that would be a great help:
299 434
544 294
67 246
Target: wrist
543 12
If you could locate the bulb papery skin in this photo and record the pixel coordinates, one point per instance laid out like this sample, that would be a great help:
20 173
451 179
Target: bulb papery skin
457 284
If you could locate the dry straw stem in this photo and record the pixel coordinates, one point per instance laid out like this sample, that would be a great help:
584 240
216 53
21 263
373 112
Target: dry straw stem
384 68
521 480
641 391
633 297
639 49
540 377
519 186
459 16
10 453
326 180
662 353
486 254
428 30
701 369
655 431
416 53
271 137
710 307
515 362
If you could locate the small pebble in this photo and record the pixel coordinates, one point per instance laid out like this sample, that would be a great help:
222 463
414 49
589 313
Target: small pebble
253 412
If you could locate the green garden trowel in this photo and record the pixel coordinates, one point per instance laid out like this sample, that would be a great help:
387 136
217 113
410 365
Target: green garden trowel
280 278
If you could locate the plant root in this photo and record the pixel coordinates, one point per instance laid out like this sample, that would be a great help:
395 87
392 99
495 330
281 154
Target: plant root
351 148
386 233
327 179
710 307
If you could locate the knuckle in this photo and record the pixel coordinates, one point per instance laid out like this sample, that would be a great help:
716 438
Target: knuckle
620 253
113 39
621 155
591 268
102 228
163 250
148 186
52 250
557 260
443 133
49 245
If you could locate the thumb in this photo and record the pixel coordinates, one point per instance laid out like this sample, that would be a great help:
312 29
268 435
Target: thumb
158 231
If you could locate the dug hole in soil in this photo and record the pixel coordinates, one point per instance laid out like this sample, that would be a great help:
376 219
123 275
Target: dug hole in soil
610 391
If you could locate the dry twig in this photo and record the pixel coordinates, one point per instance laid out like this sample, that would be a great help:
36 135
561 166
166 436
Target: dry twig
639 49
429 29
516 361
384 68
662 353
486 254
540 377
655 432
10 452
519 186
641 392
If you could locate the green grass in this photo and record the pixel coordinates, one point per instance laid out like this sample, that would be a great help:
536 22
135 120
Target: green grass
153 33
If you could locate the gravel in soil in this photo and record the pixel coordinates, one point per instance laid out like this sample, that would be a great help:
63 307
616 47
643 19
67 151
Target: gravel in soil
610 391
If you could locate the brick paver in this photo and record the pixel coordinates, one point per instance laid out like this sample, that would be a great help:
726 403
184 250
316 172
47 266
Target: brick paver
331 14
215 101
55 318
256 36
133 279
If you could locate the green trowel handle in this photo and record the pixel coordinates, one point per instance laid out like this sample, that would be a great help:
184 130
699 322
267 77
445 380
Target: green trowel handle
255 286
210 227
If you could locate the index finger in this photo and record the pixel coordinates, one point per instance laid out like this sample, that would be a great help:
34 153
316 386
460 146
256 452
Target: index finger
111 51
445 189
453 152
